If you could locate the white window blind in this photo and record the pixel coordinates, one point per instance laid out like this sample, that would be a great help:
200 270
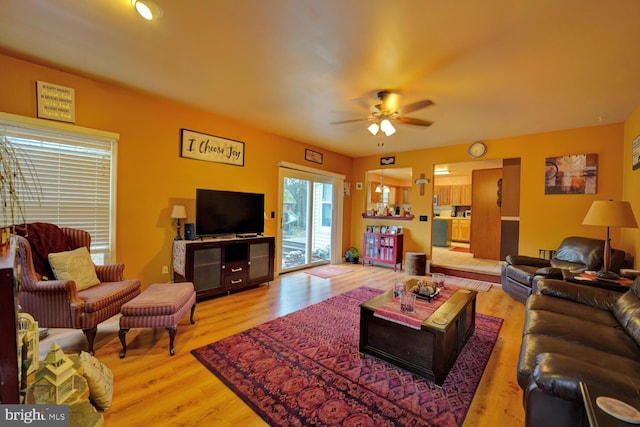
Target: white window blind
74 168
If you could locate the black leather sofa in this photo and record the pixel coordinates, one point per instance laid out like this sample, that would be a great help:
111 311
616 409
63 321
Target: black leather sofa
577 333
521 273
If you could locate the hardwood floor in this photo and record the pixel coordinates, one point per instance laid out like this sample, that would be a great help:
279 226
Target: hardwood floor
153 388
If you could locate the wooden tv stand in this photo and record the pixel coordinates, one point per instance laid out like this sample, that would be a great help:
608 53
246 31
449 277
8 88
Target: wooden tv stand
221 266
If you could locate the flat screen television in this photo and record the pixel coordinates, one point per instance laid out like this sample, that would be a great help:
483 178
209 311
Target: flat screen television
220 212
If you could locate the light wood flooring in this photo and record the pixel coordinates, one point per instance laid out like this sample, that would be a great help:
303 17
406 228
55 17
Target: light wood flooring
153 388
445 257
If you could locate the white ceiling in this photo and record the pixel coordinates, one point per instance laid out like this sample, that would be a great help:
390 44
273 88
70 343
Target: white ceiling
494 68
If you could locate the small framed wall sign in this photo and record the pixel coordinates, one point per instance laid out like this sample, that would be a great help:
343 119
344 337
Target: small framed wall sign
56 102
635 153
359 185
390 160
210 148
313 156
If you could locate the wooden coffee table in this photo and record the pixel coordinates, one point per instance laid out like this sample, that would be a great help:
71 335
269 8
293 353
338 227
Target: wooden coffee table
430 351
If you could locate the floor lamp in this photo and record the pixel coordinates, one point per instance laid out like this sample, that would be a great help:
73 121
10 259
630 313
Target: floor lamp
609 213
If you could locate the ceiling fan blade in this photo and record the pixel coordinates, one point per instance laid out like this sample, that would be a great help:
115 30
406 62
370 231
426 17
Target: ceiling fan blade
348 121
412 121
410 108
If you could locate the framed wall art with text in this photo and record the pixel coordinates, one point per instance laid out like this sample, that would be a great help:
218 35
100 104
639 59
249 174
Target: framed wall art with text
211 148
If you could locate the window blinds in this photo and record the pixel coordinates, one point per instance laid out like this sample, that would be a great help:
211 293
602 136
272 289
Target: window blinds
74 169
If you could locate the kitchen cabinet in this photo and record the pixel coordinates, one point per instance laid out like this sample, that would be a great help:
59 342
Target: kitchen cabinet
405 195
460 230
453 195
466 195
460 195
444 195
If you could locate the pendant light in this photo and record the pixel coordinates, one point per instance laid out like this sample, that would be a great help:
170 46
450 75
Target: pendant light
381 187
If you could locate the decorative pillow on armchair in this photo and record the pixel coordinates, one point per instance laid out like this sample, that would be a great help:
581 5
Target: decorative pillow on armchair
74 265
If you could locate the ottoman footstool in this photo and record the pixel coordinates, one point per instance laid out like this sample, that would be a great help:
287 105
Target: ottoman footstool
161 305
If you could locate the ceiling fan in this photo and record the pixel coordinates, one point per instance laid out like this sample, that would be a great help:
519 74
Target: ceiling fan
388 110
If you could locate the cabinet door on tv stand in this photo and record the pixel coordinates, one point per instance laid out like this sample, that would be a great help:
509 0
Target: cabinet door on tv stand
207 267
261 261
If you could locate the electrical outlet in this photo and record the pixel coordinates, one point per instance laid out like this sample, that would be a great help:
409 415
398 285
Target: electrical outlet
165 269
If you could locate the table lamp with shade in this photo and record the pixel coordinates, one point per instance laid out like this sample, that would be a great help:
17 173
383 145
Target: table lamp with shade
178 213
609 213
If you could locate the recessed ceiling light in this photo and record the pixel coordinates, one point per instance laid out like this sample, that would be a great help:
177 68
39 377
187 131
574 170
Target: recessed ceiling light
148 9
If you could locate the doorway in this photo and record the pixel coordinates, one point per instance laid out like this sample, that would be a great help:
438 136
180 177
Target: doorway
450 182
308 204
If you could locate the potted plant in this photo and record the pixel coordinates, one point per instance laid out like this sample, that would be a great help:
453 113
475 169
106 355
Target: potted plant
352 255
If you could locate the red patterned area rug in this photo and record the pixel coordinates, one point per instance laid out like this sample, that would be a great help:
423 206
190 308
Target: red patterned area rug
304 369
460 249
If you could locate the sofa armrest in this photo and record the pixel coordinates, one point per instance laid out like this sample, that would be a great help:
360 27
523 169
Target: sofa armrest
550 272
527 260
110 273
584 294
50 286
560 376
54 303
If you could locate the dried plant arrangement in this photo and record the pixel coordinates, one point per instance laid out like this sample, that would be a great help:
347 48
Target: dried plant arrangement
18 182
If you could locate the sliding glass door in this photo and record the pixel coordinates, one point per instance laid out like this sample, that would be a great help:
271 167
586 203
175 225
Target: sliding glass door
307 219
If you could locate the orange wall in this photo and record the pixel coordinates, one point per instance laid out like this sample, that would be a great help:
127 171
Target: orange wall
151 175
544 219
631 236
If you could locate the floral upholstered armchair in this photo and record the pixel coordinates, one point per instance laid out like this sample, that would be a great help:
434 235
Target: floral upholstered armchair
55 297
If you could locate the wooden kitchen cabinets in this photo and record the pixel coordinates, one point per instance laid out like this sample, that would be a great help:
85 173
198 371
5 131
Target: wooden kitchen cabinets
444 194
461 230
466 195
453 195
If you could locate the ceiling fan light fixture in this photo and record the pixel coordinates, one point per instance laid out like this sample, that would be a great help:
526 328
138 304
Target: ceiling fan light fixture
387 127
148 9
373 128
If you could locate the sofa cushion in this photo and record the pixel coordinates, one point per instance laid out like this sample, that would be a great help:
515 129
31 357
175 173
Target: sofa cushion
627 312
105 294
535 344
613 340
583 312
635 286
74 265
560 375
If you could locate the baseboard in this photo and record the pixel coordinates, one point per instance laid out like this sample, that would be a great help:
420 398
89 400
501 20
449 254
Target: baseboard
466 274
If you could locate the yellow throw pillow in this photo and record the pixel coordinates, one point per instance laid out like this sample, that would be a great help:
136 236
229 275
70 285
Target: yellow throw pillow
74 265
100 379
